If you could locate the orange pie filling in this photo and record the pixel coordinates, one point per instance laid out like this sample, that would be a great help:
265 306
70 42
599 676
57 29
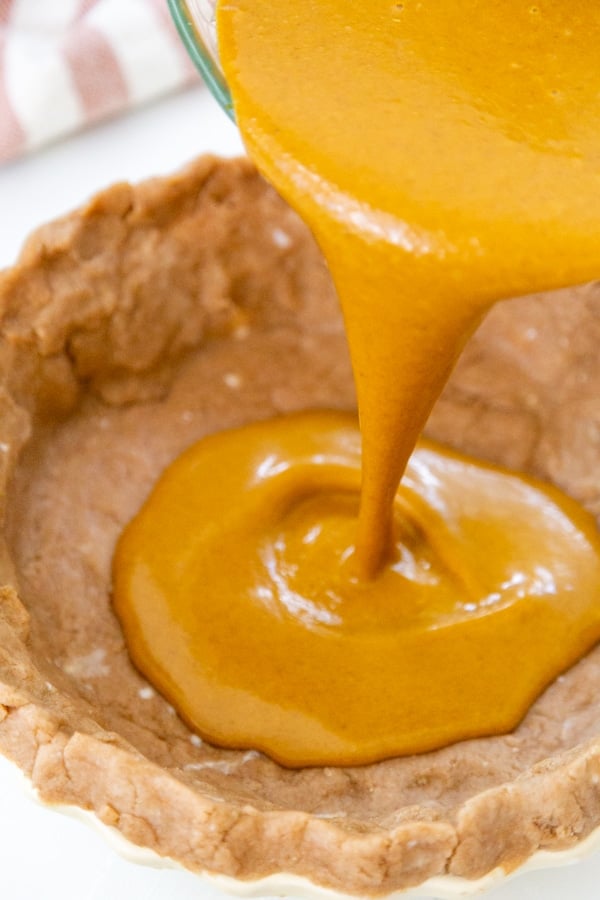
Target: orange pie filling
237 588
320 594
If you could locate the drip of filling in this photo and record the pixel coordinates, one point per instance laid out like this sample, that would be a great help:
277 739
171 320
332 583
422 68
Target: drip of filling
446 156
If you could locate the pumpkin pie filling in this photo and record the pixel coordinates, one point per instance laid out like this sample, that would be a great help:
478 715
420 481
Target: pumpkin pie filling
236 591
272 560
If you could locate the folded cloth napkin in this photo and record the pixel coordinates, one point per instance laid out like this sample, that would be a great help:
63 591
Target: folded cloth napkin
67 63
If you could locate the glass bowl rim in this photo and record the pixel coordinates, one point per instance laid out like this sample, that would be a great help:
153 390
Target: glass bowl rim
200 55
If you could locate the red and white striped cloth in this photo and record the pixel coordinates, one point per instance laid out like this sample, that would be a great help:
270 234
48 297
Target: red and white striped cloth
67 63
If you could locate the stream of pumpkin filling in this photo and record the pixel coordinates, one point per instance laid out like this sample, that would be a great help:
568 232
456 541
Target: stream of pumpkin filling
312 590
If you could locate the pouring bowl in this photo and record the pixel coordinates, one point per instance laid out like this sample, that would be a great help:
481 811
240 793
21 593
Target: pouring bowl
196 23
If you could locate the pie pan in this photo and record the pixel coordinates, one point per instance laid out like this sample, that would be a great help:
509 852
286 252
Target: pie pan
157 314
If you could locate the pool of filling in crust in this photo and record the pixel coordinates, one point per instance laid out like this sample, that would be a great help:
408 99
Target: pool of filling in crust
162 314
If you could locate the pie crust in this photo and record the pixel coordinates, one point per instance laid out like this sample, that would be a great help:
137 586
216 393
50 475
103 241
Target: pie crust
131 328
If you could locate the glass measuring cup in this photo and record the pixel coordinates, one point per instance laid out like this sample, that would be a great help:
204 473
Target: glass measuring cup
196 24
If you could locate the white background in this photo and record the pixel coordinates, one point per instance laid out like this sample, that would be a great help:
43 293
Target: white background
42 853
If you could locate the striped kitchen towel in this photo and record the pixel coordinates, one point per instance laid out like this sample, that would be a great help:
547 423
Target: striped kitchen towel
67 63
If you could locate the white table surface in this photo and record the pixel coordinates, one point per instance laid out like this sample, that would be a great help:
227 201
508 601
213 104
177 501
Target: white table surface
42 853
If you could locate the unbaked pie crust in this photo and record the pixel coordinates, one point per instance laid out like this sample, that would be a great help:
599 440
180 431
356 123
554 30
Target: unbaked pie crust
131 328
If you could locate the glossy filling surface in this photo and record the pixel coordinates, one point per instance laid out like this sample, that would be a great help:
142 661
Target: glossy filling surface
235 588
446 157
